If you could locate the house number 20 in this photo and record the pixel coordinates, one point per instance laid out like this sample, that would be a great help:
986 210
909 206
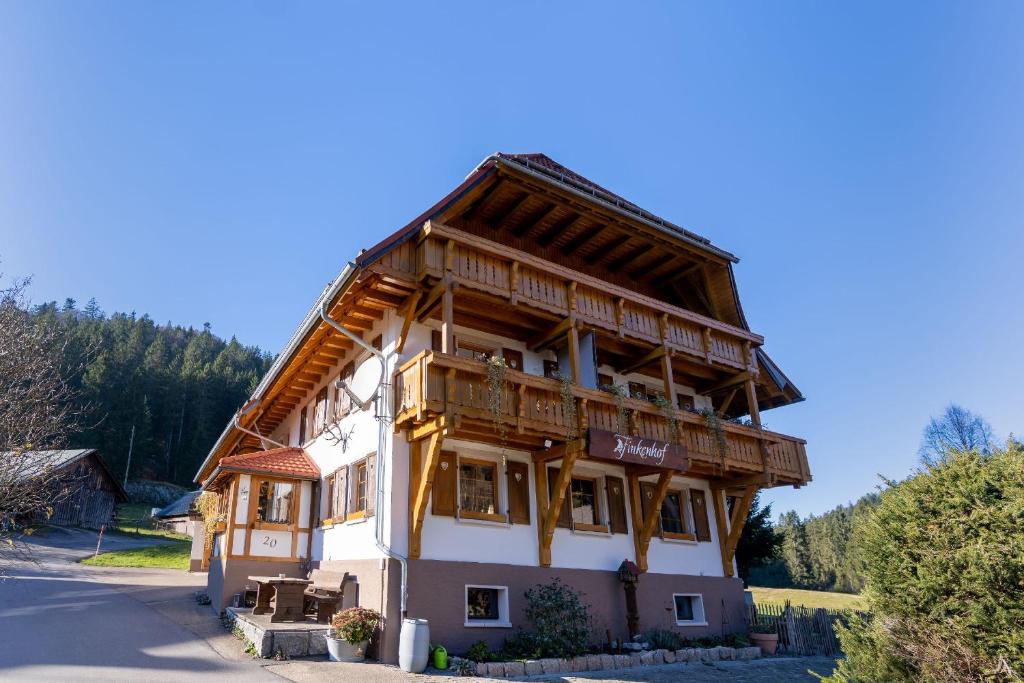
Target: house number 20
268 541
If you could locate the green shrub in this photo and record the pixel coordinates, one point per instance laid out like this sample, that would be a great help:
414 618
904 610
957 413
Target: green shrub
662 639
561 623
478 652
944 563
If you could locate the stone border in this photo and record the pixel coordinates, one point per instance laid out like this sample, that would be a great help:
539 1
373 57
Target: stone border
604 662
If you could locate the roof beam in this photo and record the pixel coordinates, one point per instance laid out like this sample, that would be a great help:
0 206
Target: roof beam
497 221
582 238
651 268
555 230
608 249
629 257
527 226
478 203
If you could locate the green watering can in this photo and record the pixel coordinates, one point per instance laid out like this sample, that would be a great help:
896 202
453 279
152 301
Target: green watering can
440 658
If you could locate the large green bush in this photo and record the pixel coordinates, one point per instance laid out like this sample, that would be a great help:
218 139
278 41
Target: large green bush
944 562
561 623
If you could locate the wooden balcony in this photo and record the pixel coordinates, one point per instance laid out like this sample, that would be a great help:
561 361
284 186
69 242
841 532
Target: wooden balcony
544 288
532 410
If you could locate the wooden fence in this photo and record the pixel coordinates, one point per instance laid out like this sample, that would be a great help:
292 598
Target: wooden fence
802 630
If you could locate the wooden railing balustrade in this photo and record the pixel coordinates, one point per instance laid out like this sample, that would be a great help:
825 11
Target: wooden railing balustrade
433 383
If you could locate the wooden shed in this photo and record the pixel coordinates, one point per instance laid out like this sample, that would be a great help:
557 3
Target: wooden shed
91 491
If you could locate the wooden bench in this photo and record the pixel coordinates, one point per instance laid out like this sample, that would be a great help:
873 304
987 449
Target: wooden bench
325 593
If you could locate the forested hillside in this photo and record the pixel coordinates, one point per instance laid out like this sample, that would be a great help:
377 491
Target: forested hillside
818 552
177 386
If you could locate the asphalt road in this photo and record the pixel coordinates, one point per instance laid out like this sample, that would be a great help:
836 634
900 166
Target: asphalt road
62 621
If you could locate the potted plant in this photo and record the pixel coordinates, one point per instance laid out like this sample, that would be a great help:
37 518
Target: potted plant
765 636
351 630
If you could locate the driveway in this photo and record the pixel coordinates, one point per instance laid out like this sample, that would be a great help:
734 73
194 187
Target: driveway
63 621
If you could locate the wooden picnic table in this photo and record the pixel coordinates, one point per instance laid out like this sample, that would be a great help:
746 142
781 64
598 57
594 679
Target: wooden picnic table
284 592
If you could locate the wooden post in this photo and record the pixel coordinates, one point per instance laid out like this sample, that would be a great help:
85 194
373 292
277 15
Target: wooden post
420 493
718 504
560 486
755 413
540 478
513 297
574 352
636 517
448 318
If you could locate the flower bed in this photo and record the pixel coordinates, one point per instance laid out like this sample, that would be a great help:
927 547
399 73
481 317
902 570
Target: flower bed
603 662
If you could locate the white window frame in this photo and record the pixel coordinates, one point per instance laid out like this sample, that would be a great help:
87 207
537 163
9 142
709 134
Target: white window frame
503 619
699 616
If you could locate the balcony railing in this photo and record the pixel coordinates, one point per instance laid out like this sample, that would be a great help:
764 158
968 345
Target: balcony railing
527 280
433 383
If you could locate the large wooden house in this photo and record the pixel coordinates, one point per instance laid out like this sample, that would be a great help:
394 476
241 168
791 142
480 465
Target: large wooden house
533 379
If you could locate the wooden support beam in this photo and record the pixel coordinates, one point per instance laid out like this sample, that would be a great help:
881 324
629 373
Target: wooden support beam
543 340
629 257
680 274
421 481
534 220
429 302
574 353
738 518
718 504
645 360
556 229
557 497
755 413
645 529
558 452
448 319
582 238
427 428
496 221
478 203
726 403
410 313
608 249
732 381
649 272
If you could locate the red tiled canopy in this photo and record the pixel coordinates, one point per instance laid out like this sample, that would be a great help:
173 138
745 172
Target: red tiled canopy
287 462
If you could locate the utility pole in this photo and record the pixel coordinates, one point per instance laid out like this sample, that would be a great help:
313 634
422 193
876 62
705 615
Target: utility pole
131 442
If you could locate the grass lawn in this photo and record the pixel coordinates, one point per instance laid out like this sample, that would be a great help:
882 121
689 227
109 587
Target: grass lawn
134 519
798 597
170 556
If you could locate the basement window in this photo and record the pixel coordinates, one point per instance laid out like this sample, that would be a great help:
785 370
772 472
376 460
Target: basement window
689 609
487 606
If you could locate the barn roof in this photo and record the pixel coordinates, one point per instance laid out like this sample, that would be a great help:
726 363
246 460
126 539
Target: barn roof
179 508
36 461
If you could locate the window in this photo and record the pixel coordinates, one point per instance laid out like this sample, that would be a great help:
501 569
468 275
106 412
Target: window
359 493
342 401
673 515
465 348
551 369
275 502
320 412
478 488
487 606
302 426
584 502
689 609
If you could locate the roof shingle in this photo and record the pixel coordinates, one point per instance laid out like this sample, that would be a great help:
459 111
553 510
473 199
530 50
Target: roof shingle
292 462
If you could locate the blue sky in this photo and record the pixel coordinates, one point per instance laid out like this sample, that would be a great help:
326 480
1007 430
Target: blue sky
220 162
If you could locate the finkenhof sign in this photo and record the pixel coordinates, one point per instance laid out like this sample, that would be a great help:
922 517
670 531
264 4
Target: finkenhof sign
605 445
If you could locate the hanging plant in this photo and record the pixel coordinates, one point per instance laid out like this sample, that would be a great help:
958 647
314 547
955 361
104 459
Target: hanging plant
496 371
208 506
714 425
668 411
569 416
619 391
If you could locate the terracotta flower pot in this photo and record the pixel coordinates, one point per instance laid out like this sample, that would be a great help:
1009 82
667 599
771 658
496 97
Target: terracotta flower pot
768 642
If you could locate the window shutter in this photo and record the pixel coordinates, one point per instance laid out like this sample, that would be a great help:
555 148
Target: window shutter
302 426
371 483
443 493
616 493
328 508
513 359
519 492
341 493
435 340
647 499
700 515
565 514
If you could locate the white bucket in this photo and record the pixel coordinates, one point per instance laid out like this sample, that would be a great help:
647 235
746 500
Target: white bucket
414 645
